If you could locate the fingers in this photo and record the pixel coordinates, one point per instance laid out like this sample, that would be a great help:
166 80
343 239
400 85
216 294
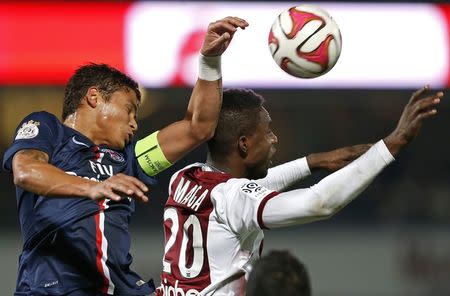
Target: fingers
219 35
224 26
135 181
418 93
121 184
428 103
221 40
235 22
227 25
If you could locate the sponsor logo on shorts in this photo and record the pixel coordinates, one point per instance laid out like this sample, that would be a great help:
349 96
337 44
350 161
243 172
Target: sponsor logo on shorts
168 290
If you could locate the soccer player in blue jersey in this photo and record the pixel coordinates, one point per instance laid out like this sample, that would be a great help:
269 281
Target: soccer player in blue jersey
76 180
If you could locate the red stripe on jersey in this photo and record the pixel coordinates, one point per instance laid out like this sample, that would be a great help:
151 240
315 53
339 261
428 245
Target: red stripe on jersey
445 10
181 216
98 243
261 208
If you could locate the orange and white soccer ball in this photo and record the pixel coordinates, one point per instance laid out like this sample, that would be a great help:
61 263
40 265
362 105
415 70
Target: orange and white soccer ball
305 41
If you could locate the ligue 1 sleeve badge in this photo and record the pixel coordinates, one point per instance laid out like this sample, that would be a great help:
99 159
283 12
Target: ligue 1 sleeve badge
28 130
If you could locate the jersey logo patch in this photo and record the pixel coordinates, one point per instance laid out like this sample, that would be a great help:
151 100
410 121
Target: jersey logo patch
28 130
116 156
255 191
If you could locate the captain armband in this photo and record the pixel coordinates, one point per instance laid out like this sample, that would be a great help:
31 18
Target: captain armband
150 156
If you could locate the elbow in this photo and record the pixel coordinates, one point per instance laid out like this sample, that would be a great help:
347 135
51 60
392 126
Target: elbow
323 211
202 132
21 177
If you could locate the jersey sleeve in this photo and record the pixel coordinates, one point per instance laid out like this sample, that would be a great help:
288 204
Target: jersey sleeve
282 176
39 131
331 194
239 203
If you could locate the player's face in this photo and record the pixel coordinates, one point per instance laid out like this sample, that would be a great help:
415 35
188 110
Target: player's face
117 118
261 147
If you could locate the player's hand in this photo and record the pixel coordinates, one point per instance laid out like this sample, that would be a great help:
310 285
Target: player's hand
336 159
219 34
117 187
419 108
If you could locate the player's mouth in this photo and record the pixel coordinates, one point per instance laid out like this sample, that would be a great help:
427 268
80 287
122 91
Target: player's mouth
129 137
272 152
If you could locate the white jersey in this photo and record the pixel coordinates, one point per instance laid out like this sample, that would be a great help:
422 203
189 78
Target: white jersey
213 223
213 227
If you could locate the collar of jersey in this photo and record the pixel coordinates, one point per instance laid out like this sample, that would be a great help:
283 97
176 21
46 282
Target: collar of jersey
79 137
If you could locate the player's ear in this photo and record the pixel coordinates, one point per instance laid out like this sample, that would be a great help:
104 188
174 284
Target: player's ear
92 96
243 146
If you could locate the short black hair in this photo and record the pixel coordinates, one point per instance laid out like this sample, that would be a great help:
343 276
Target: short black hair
278 273
239 116
106 78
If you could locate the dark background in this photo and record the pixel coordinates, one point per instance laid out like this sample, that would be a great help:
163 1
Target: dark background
414 189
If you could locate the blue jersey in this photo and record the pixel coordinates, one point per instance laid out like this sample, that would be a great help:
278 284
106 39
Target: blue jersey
75 244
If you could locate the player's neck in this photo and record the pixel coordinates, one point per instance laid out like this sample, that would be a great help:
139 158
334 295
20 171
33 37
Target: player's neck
81 124
226 166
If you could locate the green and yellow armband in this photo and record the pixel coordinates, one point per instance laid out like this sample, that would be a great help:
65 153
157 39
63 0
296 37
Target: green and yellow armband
150 156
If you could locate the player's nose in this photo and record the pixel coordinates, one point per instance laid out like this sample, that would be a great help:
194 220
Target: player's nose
133 124
274 139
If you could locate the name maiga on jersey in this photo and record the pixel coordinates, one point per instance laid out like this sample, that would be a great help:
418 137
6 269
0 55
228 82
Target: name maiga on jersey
191 199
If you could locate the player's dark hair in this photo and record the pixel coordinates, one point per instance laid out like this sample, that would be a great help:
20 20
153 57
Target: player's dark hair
278 273
239 116
106 78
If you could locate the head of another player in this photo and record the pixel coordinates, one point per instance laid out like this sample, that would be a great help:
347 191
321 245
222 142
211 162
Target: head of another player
105 99
243 136
278 273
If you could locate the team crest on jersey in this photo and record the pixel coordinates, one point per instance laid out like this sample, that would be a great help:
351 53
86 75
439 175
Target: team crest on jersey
254 190
28 130
113 154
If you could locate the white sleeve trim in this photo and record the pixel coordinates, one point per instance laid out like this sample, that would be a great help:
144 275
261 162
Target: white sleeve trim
384 151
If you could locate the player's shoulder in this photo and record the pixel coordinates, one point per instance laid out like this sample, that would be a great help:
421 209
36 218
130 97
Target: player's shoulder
229 189
40 118
234 183
37 123
43 115
202 173
242 189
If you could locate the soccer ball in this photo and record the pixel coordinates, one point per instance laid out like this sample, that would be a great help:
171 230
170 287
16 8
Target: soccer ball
305 41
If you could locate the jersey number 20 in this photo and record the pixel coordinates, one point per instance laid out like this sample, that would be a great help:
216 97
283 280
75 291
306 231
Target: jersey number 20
177 249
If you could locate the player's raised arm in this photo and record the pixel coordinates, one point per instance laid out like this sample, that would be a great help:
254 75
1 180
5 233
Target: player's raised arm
280 177
159 150
338 189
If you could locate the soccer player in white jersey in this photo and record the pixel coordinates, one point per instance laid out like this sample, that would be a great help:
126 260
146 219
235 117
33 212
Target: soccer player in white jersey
216 211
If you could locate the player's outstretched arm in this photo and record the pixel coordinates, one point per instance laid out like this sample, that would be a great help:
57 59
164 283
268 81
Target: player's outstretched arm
279 178
336 159
33 173
336 190
200 120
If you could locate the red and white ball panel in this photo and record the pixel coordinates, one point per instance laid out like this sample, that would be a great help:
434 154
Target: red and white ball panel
305 41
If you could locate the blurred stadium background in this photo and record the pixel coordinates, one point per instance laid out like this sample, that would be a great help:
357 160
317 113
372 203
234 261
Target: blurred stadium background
393 240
